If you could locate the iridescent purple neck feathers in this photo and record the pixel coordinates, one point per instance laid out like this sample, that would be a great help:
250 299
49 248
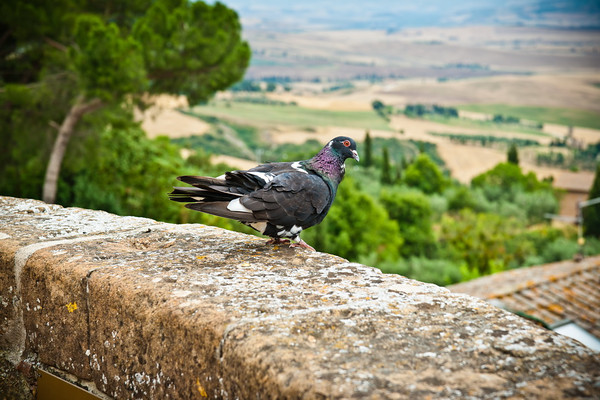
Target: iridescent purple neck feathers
329 164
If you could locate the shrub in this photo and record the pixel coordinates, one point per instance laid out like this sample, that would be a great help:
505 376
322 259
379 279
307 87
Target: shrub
510 210
425 175
459 197
507 175
560 249
478 239
537 204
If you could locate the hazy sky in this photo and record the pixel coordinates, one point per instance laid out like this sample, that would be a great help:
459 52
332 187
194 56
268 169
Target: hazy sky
387 14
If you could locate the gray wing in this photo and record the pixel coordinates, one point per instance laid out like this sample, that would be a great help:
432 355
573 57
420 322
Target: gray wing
293 198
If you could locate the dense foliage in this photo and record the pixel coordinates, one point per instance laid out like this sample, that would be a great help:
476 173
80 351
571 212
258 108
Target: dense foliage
108 55
422 225
405 215
357 225
418 222
116 49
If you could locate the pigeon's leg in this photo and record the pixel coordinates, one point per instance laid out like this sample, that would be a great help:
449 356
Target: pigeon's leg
302 243
277 241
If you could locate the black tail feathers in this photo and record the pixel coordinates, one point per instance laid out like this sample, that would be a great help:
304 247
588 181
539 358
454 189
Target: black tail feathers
205 189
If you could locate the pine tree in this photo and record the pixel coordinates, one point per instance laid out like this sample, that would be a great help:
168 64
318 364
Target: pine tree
115 56
591 214
368 150
513 154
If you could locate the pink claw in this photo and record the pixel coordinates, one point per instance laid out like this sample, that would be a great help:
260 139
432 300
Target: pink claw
303 244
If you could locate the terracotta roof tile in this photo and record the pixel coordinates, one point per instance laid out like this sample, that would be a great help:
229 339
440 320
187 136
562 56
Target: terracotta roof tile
554 292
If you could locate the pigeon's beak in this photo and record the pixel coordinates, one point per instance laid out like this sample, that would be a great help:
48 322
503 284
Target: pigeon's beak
355 155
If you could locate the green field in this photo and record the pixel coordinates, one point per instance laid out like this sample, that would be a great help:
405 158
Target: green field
561 116
301 117
484 125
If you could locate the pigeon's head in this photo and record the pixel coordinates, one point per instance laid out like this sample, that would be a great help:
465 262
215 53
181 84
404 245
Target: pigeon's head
344 147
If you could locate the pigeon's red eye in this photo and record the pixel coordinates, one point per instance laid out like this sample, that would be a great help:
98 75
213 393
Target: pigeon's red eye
346 143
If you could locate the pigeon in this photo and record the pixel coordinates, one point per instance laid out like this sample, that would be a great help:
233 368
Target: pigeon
278 199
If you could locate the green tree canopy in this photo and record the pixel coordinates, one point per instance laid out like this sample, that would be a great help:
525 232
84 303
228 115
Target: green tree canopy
109 53
506 175
423 174
506 190
356 225
377 105
191 48
479 239
412 210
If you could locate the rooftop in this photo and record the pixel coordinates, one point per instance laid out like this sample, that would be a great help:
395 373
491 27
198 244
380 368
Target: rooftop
580 182
553 293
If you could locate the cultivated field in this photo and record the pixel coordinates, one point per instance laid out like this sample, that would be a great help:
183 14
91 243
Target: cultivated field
297 124
550 76
576 95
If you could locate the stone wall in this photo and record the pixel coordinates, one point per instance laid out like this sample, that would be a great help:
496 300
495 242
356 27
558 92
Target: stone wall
133 308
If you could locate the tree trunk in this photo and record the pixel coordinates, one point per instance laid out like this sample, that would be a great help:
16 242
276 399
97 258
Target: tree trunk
62 141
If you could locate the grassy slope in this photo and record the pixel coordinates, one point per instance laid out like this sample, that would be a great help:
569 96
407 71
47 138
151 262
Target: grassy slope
292 115
562 116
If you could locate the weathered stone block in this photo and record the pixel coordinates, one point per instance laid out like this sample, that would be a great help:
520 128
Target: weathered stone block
183 311
28 226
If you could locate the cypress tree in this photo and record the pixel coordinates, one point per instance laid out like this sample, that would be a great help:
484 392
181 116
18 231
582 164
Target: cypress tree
368 150
386 168
513 154
399 172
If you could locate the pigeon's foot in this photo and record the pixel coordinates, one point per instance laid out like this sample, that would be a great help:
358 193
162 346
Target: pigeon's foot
278 241
303 244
